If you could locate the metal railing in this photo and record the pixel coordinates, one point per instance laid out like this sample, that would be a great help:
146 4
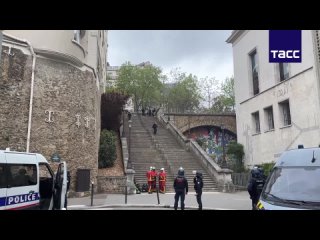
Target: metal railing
240 180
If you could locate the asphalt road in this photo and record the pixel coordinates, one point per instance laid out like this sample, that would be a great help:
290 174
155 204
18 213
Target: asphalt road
210 201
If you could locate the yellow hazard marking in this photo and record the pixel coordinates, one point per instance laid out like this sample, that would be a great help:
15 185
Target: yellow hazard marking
259 205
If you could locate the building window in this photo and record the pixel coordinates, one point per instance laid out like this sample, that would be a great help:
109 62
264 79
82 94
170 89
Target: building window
284 71
285 113
268 112
254 70
256 122
76 36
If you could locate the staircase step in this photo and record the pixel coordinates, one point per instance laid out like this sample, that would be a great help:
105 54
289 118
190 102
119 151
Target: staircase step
145 154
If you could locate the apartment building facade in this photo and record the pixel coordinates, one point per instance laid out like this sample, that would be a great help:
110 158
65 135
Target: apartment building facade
277 104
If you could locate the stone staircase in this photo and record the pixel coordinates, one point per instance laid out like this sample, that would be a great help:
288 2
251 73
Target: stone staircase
162 150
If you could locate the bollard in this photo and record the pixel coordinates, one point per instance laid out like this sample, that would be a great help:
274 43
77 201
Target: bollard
126 193
158 193
92 188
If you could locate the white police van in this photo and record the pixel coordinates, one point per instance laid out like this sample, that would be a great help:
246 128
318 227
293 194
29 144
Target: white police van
294 182
28 182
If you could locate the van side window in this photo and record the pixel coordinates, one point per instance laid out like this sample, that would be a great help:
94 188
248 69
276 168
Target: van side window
3 182
44 171
21 175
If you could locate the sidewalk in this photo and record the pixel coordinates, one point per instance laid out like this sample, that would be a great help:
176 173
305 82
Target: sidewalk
210 200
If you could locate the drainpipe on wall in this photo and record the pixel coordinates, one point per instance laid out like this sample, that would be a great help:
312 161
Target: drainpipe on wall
316 59
32 84
0 44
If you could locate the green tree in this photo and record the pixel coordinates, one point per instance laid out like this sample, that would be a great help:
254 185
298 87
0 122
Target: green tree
107 149
218 106
225 101
141 82
209 86
183 94
227 89
111 108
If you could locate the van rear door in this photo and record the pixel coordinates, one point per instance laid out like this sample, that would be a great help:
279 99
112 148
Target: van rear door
3 182
22 181
60 193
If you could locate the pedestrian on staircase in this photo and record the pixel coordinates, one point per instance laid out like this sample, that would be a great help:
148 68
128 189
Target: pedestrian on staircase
198 185
180 185
155 127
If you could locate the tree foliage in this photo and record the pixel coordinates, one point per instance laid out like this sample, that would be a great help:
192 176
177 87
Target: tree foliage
141 82
267 167
183 94
209 87
236 152
225 101
111 107
228 93
218 106
107 149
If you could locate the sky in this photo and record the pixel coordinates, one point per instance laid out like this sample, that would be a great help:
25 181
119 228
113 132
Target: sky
199 52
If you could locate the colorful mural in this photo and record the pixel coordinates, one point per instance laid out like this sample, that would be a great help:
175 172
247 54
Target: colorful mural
210 139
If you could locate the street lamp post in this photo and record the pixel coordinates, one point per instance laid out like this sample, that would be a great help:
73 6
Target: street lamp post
123 135
0 44
129 160
189 133
224 163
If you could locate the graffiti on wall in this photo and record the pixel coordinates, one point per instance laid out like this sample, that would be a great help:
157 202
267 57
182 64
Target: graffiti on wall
211 139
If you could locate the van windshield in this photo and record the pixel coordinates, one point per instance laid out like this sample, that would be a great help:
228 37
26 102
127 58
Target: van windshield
299 184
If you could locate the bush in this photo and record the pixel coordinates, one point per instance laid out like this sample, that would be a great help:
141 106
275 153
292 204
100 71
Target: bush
267 167
235 152
107 149
213 156
200 141
112 103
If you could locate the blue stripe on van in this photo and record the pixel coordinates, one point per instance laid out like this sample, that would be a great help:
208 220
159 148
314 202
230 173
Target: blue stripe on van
23 198
2 201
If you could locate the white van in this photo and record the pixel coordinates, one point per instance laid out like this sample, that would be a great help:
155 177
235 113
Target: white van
28 182
294 182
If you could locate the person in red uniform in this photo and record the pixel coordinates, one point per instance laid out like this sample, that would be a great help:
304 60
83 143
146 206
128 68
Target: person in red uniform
149 178
154 179
162 180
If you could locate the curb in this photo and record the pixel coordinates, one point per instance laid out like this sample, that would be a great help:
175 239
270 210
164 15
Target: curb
86 207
